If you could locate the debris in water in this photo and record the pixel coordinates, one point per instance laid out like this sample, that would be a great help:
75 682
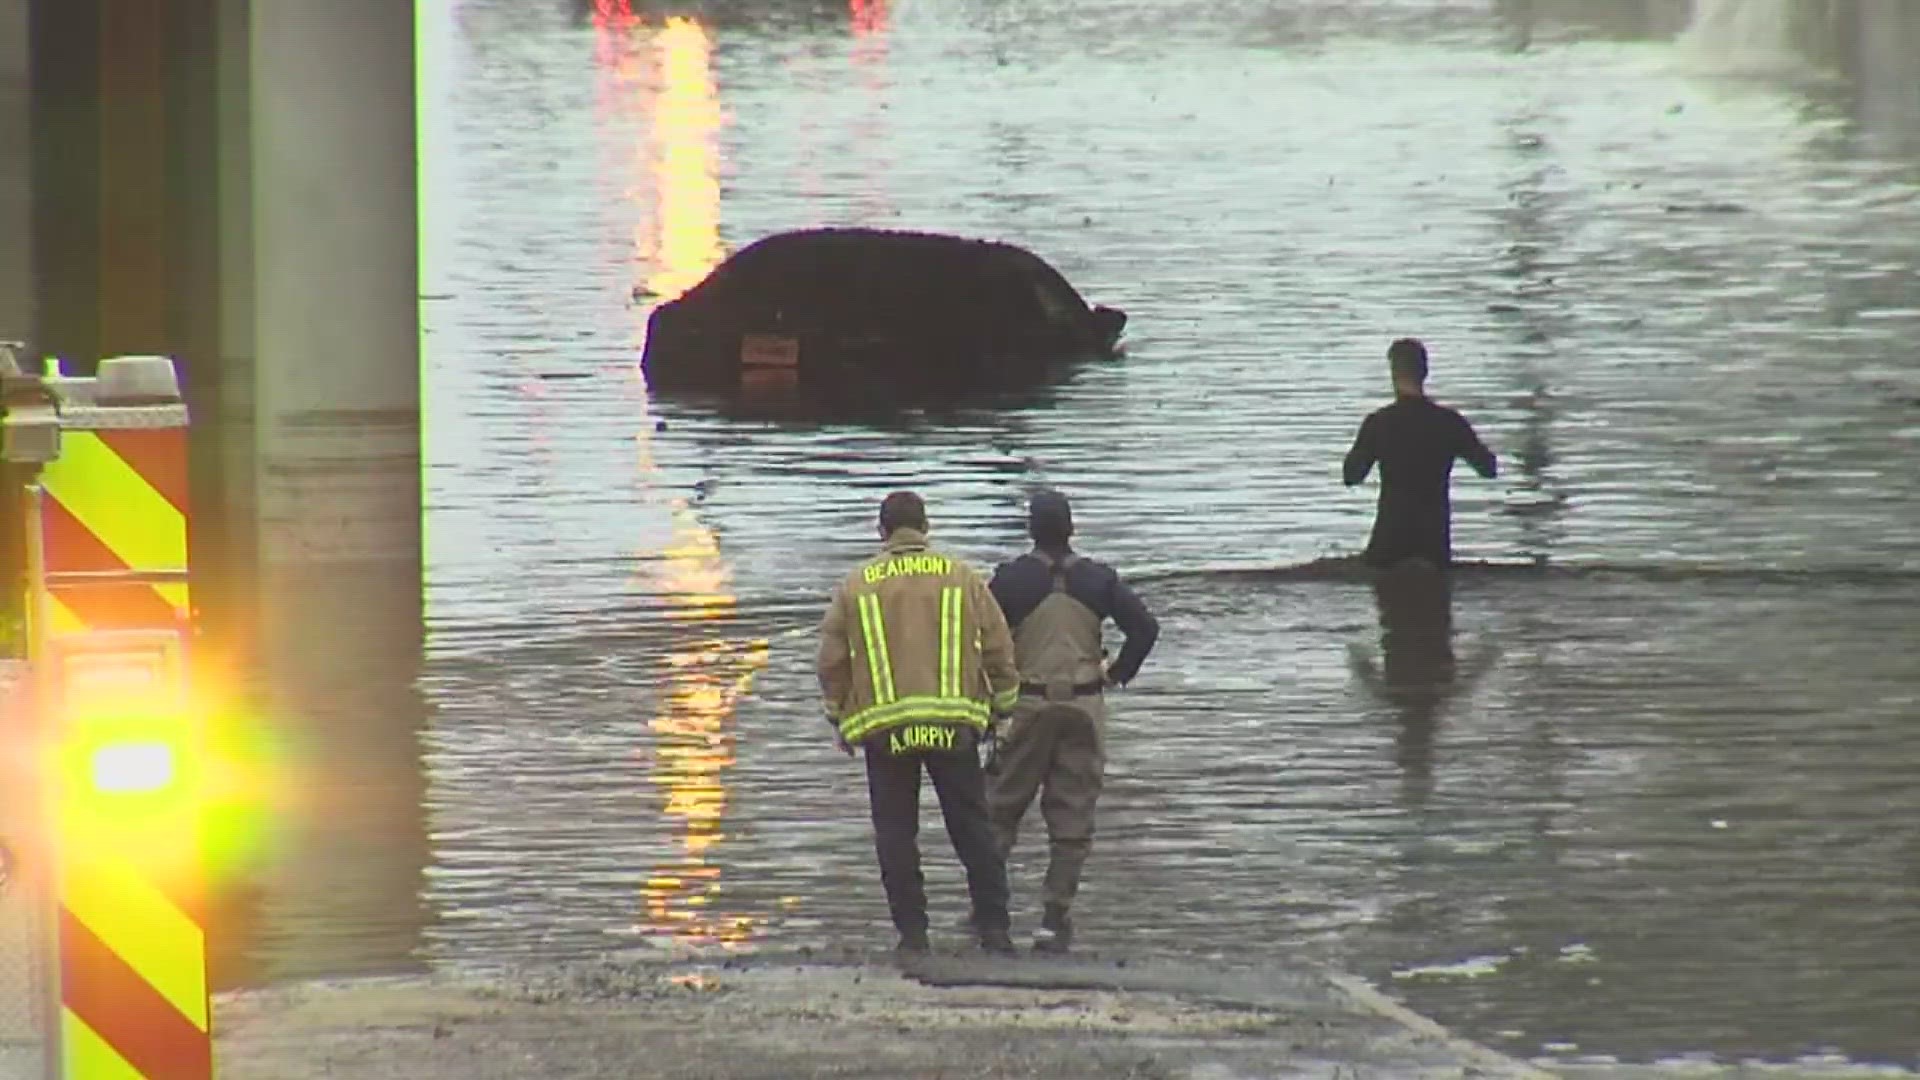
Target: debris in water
1577 953
1706 208
1471 968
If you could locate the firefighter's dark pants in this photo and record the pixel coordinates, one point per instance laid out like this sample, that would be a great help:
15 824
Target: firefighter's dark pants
893 791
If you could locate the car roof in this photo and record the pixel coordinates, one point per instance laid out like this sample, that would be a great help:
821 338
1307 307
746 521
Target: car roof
891 259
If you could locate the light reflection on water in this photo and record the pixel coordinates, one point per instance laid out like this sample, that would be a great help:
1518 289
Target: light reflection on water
682 237
678 235
1272 193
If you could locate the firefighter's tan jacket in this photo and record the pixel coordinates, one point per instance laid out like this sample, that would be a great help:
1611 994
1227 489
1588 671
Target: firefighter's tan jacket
914 637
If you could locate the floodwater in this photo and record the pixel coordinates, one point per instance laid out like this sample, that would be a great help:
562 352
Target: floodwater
1643 788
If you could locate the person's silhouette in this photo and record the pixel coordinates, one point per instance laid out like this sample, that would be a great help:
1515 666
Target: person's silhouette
1415 441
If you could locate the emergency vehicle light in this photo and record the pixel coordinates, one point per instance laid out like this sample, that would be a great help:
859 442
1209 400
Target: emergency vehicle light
133 768
124 725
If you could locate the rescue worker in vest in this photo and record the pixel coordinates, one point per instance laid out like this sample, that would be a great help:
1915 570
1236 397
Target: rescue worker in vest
1055 743
915 663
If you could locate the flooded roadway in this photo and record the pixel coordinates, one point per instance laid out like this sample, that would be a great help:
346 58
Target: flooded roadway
1653 799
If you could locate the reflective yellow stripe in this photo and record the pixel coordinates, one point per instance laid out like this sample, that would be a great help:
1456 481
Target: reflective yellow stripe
886 661
144 928
175 593
959 641
88 1055
1007 699
866 642
949 654
61 619
873 628
116 503
867 646
918 708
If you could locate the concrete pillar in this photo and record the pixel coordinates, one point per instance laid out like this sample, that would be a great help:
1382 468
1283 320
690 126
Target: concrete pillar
16 274
63 41
336 393
220 384
343 894
16 174
110 129
336 283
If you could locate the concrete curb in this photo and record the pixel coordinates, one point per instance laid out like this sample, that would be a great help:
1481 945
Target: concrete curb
1340 989
1359 994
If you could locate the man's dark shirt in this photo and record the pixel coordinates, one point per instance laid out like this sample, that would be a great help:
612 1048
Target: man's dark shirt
1415 442
1021 585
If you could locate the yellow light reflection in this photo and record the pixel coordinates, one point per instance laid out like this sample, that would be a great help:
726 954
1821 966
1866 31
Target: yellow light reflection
693 746
706 674
685 161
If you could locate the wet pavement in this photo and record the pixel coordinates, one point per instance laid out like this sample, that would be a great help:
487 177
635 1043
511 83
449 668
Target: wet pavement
1644 791
947 1016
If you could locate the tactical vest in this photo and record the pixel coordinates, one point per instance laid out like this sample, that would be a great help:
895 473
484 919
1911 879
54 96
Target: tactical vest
1057 646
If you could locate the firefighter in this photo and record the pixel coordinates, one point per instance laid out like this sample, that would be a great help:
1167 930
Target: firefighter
1055 743
915 662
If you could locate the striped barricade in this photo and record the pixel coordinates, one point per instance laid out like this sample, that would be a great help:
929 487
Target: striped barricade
111 626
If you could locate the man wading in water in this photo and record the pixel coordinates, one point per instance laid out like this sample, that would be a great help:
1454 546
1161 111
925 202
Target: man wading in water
1056 743
1415 440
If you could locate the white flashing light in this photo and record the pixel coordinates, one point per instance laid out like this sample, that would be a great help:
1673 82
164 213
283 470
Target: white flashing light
135 768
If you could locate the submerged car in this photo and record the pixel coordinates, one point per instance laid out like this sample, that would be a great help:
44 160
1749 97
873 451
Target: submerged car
875 312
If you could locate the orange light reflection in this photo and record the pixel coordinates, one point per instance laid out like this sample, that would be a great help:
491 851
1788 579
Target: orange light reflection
869 19
868 16
678 242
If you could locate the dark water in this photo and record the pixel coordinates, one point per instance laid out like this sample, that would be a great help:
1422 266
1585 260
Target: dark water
1655 799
